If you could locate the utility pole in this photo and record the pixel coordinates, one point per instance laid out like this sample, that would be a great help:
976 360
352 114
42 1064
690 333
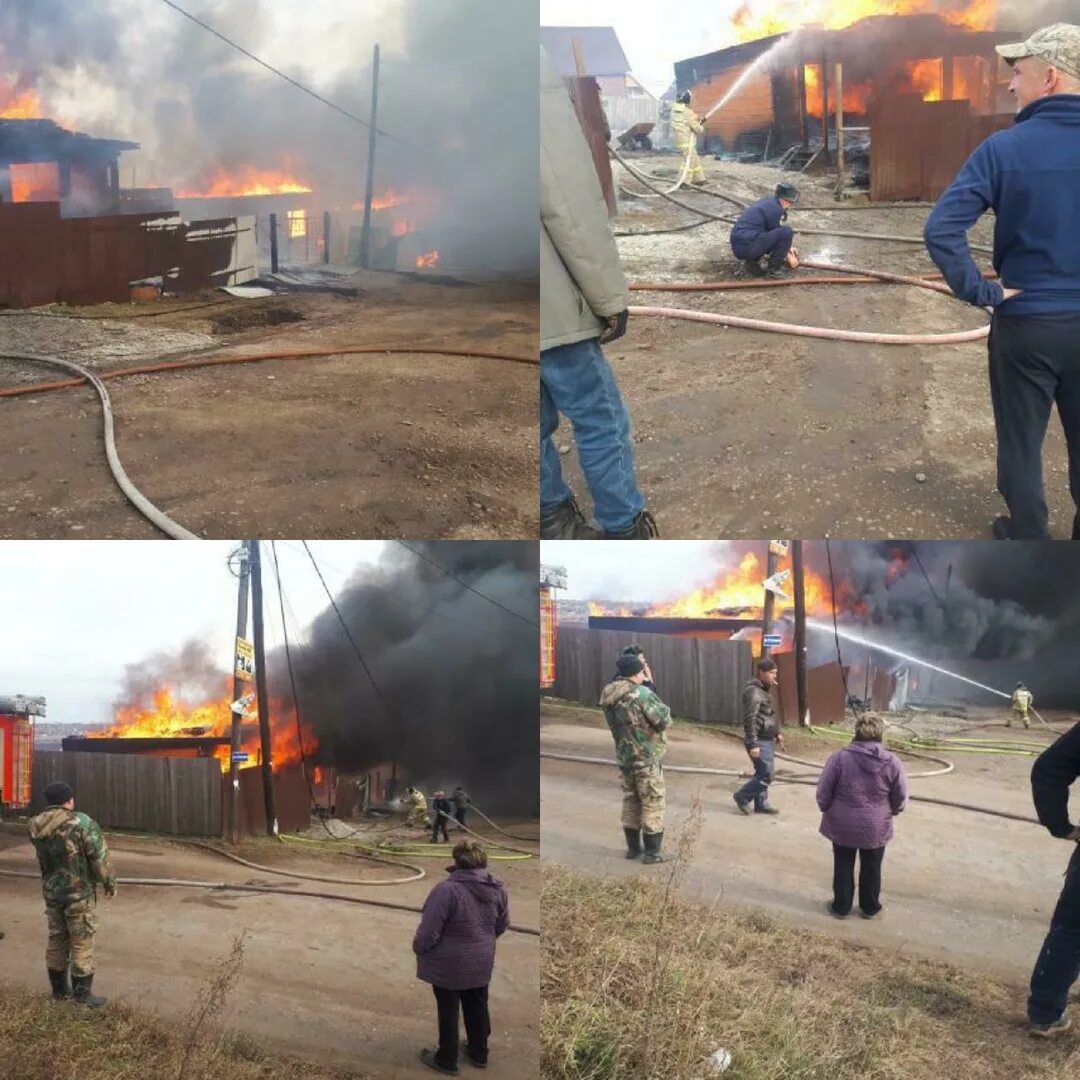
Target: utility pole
839 129
326 236
238 692
273 244
800 633
260 688
365 235
770 600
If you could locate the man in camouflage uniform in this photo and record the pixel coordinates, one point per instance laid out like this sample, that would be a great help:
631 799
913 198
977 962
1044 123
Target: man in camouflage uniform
74 860
638 720
761 732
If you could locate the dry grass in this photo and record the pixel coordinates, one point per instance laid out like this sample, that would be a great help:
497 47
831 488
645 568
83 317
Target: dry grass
45 1040
638 982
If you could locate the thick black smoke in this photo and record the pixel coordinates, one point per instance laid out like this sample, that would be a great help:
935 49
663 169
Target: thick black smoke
458 86
457 674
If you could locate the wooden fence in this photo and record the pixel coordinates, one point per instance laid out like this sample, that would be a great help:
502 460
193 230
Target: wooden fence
698 678
171 796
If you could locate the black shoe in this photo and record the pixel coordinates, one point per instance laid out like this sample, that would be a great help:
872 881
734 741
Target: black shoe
567 522
633 842
871 914
478 1061
1002 528
743 807
643 528
766 810
81 985
752 268
429 1059
833 912
61 986
779 272
653 841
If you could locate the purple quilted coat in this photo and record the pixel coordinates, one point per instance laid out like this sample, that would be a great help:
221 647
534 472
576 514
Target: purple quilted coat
455 942
862 788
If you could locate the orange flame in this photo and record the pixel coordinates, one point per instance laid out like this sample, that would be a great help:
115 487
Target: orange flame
757 19
429 260
170 718
35 183
248 180
385 201
21 105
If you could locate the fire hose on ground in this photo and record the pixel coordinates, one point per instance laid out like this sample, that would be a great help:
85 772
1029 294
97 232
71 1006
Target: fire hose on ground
152 513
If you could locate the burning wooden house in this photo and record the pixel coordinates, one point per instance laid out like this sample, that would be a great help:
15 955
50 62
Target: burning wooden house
921 85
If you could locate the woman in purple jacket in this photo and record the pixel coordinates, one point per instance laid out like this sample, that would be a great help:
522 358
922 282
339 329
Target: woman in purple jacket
862 788
455 952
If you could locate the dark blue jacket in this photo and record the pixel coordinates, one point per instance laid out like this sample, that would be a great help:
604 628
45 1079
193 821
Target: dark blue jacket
761 217
1030 176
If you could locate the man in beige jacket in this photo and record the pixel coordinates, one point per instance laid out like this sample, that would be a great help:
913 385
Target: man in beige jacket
583 302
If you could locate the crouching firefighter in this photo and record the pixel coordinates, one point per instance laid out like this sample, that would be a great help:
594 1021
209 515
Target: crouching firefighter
74 861
638 720
760 232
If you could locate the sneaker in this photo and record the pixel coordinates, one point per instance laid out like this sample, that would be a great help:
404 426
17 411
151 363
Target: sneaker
744 808
642 528
1048 1031
766 810
567 522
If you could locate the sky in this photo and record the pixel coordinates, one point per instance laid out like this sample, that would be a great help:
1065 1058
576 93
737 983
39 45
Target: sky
76 612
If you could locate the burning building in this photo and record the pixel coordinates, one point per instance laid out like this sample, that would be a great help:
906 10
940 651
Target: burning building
42 162
911 76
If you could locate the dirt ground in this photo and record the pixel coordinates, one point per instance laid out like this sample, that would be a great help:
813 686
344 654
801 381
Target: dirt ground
326 981
962 887
344 446
739 432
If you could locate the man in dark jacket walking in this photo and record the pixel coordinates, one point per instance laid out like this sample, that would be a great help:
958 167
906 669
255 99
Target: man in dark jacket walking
759 231
761 733
442 810
455 953
1058 966
1030 177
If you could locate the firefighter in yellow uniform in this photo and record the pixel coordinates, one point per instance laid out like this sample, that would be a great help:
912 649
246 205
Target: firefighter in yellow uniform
1021 702
418 815
686 126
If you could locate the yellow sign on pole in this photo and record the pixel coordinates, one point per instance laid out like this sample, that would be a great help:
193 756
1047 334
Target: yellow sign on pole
779 547
245 659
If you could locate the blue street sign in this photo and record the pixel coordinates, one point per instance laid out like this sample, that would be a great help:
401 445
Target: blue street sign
772 641
240 756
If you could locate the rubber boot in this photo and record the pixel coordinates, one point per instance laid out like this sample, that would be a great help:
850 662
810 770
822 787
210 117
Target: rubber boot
61 986
566 522
81 985
753 268
633 842
643 528
653 841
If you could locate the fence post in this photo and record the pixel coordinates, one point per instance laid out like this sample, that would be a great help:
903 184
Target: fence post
326 236
273 244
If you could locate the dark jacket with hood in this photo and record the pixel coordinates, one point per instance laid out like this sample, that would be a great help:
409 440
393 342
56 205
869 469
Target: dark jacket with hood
1054 770
1029 175
861 789
455 942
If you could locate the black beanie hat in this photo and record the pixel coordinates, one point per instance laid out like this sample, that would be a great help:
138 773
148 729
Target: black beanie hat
58 793
629 664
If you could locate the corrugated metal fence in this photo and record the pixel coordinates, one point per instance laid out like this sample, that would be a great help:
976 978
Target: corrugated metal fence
171 796
699 679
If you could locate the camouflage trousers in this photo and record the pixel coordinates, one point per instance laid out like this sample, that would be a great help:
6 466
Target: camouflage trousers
71 937
643 798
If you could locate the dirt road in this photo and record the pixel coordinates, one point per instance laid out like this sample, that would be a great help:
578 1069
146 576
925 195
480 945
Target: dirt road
969 889
377 446
740 432
327 981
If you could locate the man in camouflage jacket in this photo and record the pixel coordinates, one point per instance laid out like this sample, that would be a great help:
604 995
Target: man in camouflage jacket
74 860
638 720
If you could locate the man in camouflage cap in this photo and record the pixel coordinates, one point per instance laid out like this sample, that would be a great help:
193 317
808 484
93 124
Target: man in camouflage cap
74 860
638 720
1030 176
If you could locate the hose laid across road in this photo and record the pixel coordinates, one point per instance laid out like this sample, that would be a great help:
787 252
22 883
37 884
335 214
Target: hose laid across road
149 510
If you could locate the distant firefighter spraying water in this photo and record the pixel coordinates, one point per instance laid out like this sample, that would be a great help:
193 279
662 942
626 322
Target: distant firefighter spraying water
1022 701
686 126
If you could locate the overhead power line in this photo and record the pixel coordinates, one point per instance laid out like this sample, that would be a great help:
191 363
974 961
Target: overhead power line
461 581
280 74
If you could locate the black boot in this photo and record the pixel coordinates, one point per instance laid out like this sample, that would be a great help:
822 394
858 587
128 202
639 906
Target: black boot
566 522
633 842
653 840
81 985
1002 528
643 528
753 268
61 987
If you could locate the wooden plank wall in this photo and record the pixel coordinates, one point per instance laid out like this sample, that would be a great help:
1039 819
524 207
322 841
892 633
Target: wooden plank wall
699 679
169 796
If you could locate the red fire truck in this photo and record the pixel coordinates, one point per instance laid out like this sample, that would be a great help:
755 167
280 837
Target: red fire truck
17 714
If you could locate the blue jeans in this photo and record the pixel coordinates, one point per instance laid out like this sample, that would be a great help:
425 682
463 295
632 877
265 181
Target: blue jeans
757 788
577 381
1058 966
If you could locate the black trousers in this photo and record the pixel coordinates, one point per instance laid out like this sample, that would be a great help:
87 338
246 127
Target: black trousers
440 826
1034 363
1058 966
460 813
869 879
473 1006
